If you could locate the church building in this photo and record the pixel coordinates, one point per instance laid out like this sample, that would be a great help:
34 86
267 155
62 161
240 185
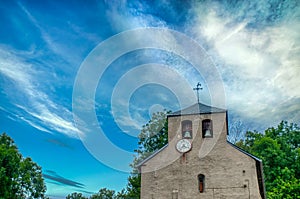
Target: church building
199 162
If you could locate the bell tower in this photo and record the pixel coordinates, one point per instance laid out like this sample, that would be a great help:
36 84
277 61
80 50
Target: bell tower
199 162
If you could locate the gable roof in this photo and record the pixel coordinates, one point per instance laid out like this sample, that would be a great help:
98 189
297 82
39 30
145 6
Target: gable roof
241 150
198 108
150 156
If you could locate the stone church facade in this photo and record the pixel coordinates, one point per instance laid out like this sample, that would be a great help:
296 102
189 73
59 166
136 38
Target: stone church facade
199 162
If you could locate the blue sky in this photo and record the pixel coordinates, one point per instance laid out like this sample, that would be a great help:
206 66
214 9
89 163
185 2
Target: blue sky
52 52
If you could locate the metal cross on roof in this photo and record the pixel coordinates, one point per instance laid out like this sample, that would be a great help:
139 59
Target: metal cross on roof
198 87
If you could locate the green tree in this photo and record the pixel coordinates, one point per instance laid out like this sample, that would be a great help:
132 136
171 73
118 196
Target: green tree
19 177
133 187
76 195
122 195
279 150
104 193
153 136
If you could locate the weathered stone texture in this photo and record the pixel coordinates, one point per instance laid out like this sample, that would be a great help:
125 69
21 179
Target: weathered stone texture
229 173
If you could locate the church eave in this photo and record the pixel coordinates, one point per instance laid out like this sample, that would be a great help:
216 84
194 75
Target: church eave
204 113
150 157
259 170
197 109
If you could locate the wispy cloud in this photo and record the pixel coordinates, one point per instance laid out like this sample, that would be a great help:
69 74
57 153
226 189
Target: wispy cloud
260 65
30 99
257 54
57 42
125 15
255 46
143 87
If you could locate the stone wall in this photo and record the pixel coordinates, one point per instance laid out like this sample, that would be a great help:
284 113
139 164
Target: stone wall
228 172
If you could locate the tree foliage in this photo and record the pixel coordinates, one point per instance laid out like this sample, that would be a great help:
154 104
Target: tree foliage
153 136
76 195
103 193
279 150
277 147
133 188
19 177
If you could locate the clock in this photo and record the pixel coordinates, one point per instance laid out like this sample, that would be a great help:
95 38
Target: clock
183 146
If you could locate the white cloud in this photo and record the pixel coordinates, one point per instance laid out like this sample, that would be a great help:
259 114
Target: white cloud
52 36
260 66
125 121
33 124
124 18
129 115
45 114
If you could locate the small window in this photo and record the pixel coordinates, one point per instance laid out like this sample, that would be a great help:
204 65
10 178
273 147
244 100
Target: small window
207 130
175 194
201 182
187 129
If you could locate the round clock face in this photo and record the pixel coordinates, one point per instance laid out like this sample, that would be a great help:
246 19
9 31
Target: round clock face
183 146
